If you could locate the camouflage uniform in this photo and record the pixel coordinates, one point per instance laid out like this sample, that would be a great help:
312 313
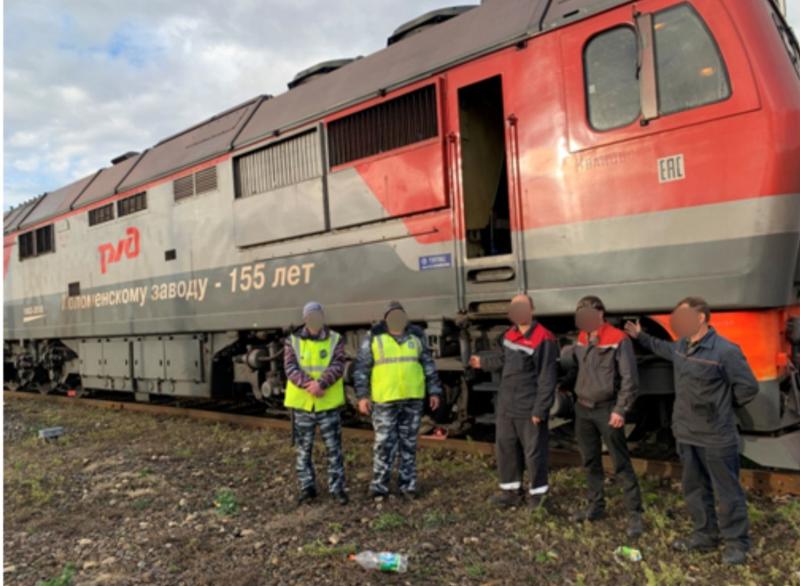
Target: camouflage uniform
396 423
396 427
330 427
329 421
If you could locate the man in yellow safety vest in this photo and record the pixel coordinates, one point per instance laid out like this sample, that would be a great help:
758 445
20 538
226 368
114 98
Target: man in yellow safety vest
313 360
394 370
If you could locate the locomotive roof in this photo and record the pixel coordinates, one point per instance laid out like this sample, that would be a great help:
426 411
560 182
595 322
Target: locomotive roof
492 25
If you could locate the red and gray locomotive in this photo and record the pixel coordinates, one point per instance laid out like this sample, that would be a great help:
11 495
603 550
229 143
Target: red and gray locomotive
638 151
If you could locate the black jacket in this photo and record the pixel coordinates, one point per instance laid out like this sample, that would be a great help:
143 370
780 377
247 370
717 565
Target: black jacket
711 378
605 370
530 372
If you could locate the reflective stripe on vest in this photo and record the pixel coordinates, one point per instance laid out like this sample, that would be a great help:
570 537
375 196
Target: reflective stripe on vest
314 356
397 373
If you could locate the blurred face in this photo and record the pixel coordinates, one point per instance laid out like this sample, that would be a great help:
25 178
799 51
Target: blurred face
315 320
686 322
520 312
396 320
588 319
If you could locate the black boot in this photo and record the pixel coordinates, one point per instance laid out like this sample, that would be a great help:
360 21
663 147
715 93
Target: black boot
696 542
506 499
734 555
341 497
635 525
378 496
307 495
536 501
591 514
409 495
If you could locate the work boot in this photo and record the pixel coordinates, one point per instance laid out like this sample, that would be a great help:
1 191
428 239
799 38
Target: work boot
538 500
307 495
590 514
341 497
696 542
378 496
635 525
409 495
734 555
506 498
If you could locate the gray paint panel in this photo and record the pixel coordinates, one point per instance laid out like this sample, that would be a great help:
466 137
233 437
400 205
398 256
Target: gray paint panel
746 272
355 282
288 212
351 201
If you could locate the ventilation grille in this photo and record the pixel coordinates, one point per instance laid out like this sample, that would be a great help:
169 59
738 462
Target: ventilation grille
200 182
134 203
45 239
405 120
284 163
102 214
183 187
205 180
27 248
37 242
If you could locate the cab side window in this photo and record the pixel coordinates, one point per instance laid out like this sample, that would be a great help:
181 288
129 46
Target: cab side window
788 38
690 71
612 89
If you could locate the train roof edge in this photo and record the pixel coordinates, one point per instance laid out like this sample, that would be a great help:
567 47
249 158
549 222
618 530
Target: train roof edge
490 26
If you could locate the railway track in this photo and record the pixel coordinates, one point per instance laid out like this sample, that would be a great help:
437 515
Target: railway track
769 482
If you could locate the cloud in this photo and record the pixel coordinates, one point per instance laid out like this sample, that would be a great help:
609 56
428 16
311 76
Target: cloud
87 81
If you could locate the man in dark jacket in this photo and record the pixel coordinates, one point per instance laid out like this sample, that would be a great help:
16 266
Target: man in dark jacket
394 372
711 378
605 382
528 358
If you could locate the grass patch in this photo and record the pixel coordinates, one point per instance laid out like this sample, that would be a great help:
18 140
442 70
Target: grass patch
665 575
63 579
387 521
184 453
142 504
545 557
476 570
225 502
318 549
790 512
435 519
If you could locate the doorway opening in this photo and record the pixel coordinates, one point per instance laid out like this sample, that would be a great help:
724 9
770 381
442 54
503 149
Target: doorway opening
483 169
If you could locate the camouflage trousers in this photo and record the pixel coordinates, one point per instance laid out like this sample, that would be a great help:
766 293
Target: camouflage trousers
396 425
330 428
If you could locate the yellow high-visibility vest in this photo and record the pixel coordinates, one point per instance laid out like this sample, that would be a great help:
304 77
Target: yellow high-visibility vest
396 371
314 356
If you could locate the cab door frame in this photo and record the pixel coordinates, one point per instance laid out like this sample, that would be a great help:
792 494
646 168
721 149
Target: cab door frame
472 289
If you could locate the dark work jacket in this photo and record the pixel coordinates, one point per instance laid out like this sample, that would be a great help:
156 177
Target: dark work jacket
711 378
530 371
606 369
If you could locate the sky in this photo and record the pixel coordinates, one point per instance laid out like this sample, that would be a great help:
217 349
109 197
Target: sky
87 80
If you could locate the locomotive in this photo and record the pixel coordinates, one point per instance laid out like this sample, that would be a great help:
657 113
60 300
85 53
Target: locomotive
638 151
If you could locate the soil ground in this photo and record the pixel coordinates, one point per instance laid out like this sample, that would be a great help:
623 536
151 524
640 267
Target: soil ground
129 498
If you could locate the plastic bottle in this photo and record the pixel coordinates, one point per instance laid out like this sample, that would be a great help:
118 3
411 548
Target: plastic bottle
629 553
385 561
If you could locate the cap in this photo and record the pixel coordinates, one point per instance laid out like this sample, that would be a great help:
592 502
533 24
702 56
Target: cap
311 307
391 306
